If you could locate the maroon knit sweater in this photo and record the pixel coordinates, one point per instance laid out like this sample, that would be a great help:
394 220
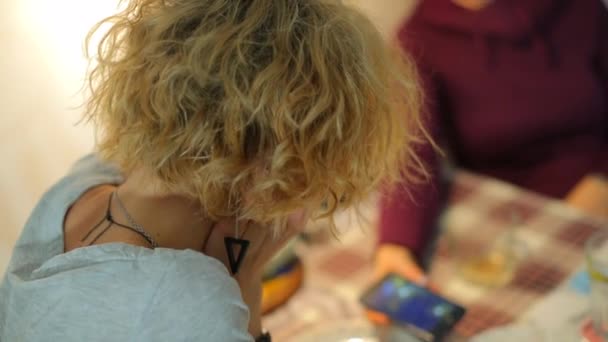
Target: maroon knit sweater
516 91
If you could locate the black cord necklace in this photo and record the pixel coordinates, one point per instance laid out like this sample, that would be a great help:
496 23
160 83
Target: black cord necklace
134 226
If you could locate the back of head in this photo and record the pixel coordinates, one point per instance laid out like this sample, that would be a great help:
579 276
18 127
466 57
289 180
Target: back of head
255 107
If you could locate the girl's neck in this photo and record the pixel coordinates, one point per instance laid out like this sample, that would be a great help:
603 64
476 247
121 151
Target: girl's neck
174 220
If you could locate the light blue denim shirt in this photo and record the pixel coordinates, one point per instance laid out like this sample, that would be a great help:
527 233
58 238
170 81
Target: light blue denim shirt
111 292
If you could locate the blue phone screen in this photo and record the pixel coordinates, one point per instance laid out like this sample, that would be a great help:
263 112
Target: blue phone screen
407 303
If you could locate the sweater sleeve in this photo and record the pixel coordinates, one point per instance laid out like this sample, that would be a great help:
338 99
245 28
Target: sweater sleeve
407 214
601 55
601 63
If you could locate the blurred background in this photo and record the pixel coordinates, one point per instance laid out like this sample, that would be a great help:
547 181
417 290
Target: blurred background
42 69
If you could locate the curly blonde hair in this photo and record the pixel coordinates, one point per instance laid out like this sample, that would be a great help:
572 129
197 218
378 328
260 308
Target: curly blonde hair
257 108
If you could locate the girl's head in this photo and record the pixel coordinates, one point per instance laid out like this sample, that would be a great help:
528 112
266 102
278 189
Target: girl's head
255 107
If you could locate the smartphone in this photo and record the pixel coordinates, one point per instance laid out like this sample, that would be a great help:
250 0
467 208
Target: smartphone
426 315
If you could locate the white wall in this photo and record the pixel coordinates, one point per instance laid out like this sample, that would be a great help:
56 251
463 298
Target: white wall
387 14
41 72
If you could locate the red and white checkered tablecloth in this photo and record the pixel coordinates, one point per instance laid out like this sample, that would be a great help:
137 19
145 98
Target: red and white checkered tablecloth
337 272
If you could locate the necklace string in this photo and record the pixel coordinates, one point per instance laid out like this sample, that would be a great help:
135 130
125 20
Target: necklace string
134 226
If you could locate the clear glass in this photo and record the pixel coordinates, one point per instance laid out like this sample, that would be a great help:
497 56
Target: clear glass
495 264
596 252
486 257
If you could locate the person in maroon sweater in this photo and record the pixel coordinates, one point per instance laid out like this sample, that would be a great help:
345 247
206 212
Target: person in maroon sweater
517 90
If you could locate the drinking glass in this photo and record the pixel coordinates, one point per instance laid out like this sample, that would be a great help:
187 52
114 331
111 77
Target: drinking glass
494 265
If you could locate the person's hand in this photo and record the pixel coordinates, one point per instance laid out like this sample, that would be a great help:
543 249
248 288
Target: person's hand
472 5
397 259
394 259
263 245
590 195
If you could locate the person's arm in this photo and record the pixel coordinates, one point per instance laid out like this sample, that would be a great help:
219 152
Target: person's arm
407 220
600 61
600 65
408 213
591 193
263 245
252 296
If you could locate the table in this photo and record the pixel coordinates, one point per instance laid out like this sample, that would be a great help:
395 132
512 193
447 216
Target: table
338 271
